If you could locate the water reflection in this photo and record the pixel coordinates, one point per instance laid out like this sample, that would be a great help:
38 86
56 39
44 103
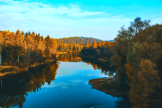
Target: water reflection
69 58
39 87
104 67
15 88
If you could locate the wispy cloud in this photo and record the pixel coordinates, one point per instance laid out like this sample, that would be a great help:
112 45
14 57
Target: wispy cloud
36 10
119 16
40 15
59 21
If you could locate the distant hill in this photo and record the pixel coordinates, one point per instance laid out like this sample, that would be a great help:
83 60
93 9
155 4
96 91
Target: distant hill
77 40
111 41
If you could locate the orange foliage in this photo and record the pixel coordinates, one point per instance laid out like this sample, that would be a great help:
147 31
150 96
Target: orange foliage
32 41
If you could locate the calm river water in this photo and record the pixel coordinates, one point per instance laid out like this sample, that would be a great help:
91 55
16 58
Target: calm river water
55 85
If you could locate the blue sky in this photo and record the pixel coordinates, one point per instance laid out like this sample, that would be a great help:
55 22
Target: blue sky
67 18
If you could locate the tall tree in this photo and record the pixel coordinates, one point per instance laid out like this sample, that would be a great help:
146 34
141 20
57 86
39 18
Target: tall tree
1 41
22 33
138 25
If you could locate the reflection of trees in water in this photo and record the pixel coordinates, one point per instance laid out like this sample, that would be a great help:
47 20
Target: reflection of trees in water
104 67
69 58
107 70
15 88
123 103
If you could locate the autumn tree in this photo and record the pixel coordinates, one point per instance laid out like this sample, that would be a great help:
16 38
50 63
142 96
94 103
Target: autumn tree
94 45
123 47
137 54
28 47
1 41
138 25
143 80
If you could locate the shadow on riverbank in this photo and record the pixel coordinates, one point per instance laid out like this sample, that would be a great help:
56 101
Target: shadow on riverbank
108 85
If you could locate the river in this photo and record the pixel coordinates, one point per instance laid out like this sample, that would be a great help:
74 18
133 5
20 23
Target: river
62 84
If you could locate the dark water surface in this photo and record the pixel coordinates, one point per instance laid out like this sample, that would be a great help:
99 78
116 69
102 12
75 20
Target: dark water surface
55 85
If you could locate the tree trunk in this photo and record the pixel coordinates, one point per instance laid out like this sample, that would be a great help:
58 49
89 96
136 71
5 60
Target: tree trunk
0 55
18 58
0 59
1 84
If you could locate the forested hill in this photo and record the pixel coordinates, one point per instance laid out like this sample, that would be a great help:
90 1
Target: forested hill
77 40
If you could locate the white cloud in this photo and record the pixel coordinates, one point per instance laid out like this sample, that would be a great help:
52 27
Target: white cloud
83 14
119 16
35 9
60 21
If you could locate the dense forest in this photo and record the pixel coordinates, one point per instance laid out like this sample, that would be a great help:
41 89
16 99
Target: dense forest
77 40
99 49
137 56
70 47
25 49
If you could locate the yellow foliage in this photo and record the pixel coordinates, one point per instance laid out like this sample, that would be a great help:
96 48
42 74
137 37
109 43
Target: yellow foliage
142 81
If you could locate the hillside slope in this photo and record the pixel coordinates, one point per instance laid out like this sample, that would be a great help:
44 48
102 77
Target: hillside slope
77 40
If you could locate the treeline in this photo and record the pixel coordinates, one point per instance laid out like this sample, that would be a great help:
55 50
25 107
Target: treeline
70 47
98 50
24 49
138 58
77 40
28 48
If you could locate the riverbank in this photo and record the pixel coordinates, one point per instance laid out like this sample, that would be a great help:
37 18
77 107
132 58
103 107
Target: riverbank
94 58
9 69
108 85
